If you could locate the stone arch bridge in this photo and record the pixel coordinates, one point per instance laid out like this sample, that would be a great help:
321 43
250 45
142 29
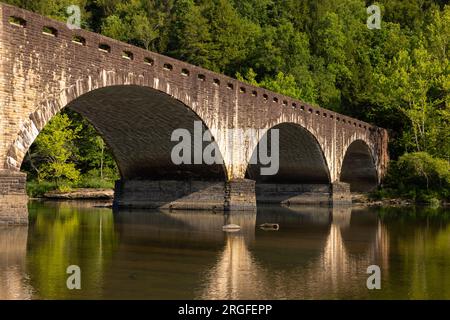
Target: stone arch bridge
136 98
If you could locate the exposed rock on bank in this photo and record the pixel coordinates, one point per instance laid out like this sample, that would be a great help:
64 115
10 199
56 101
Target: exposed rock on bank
81 194
363 199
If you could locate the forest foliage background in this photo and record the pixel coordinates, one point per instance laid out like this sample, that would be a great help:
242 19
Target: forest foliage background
322 52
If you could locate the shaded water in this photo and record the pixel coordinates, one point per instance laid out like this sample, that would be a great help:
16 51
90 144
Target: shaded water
318 253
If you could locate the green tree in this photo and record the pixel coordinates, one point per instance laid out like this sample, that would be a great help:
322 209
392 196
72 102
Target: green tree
231 36
107 7
140 22
191 36
93 157
407 83
55 147
420 176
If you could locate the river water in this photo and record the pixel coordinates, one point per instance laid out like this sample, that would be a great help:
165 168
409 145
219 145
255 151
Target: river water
318 253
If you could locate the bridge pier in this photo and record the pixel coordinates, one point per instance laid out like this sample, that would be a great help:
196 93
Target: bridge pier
13 198
340 193
235 195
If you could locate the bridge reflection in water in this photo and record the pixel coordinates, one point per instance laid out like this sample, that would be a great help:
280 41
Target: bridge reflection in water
311 257
13 276
319 252
240 275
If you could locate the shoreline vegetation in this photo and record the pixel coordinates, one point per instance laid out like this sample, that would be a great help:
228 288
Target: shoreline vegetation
396 77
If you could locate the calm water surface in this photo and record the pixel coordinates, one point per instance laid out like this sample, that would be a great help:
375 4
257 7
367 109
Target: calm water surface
318 253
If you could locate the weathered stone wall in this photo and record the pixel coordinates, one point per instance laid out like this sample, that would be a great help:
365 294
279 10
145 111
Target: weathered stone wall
240 195
340 193
13 209
196 195
293 194
13 198
12 183
43 73
237 195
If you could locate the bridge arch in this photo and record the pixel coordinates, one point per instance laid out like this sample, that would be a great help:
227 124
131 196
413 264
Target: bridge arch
136 118
301 158
358 167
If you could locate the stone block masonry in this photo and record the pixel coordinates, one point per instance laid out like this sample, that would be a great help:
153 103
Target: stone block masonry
12 182
195 195
13 198
13 209
294 194
340 193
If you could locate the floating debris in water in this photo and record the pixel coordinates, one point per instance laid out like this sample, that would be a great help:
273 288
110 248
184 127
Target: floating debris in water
270 226
231 228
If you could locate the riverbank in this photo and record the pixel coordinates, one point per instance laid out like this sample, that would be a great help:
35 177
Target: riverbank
80 194
364 199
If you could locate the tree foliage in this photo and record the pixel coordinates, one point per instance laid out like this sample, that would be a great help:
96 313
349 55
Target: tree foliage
420 176
55 147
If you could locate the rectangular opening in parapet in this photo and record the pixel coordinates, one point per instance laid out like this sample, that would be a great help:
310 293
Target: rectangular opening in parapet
185 72
79 40
149 61
17 21
49 31
168 66
127 55
104 48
